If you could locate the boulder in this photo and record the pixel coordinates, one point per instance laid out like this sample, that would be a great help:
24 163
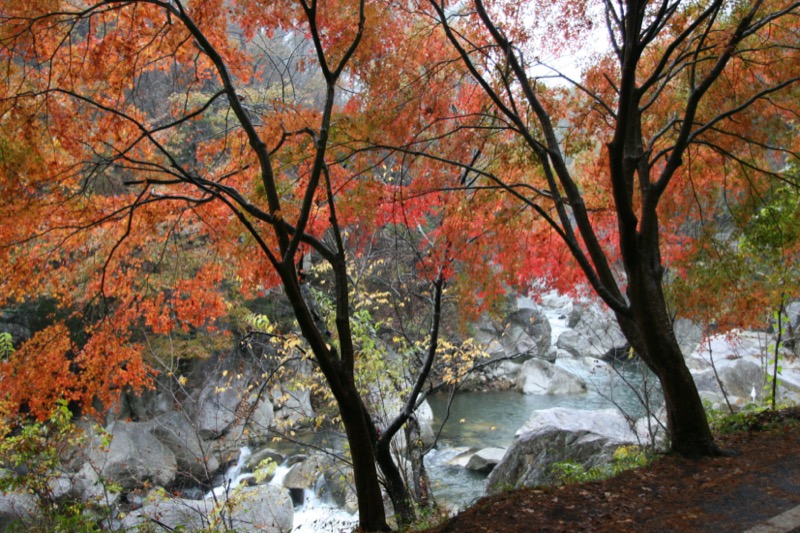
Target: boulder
652 430
172 513
540 377
461 457
688 334
192 453
291 406
263 508
424 415
487 331
557 435
85 485
134 457
18 511
527 333
597 332
339 487
303 475
486 459
574 343
217 403
261 455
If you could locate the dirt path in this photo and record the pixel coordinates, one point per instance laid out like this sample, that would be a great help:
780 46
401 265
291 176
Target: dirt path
713 495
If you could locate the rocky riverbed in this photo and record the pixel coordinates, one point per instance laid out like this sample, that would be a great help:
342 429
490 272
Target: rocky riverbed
545 392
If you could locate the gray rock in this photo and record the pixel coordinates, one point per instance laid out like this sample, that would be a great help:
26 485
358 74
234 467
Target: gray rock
462 457
556 435
217 403
541 377
135 457
574 343
170 512
652 430
424 415
303 475
688 334
340 488
263 508
574 316
793 313
487 330
741 377
598 330
192 453
291 406
85 485
738 377
262 455
486 459
18 508
527 333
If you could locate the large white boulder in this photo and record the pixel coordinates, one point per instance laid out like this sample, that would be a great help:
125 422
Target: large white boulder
556 435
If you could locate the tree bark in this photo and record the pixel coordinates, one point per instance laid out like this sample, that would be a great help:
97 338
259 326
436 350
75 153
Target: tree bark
395 484
371 514
651 334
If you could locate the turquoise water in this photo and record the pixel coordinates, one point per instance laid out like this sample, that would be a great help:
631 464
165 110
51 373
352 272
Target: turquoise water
485 419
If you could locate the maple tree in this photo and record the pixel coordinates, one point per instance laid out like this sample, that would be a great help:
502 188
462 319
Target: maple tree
138 131
593 176
155 156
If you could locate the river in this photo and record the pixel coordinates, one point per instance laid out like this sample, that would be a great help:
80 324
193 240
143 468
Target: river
490 419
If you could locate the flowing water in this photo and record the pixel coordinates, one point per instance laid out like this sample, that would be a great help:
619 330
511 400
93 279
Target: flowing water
472 421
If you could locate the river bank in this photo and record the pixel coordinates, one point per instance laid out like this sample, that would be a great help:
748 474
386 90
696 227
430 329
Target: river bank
732 493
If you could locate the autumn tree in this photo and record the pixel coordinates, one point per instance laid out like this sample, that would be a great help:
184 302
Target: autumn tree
685 89
600 180
137 130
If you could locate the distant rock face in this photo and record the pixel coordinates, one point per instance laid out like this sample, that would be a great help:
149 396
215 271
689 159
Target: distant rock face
540 377
556 435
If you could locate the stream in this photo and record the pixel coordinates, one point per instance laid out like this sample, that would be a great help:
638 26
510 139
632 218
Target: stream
475 420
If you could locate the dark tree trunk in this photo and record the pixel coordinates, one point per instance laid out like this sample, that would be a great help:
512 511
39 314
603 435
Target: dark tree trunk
420 484
357 422
651 333
395 484
371 514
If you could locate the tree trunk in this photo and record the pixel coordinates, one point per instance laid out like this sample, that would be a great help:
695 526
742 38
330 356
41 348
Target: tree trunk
395 485
371 514
654 338
420 484
357 422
